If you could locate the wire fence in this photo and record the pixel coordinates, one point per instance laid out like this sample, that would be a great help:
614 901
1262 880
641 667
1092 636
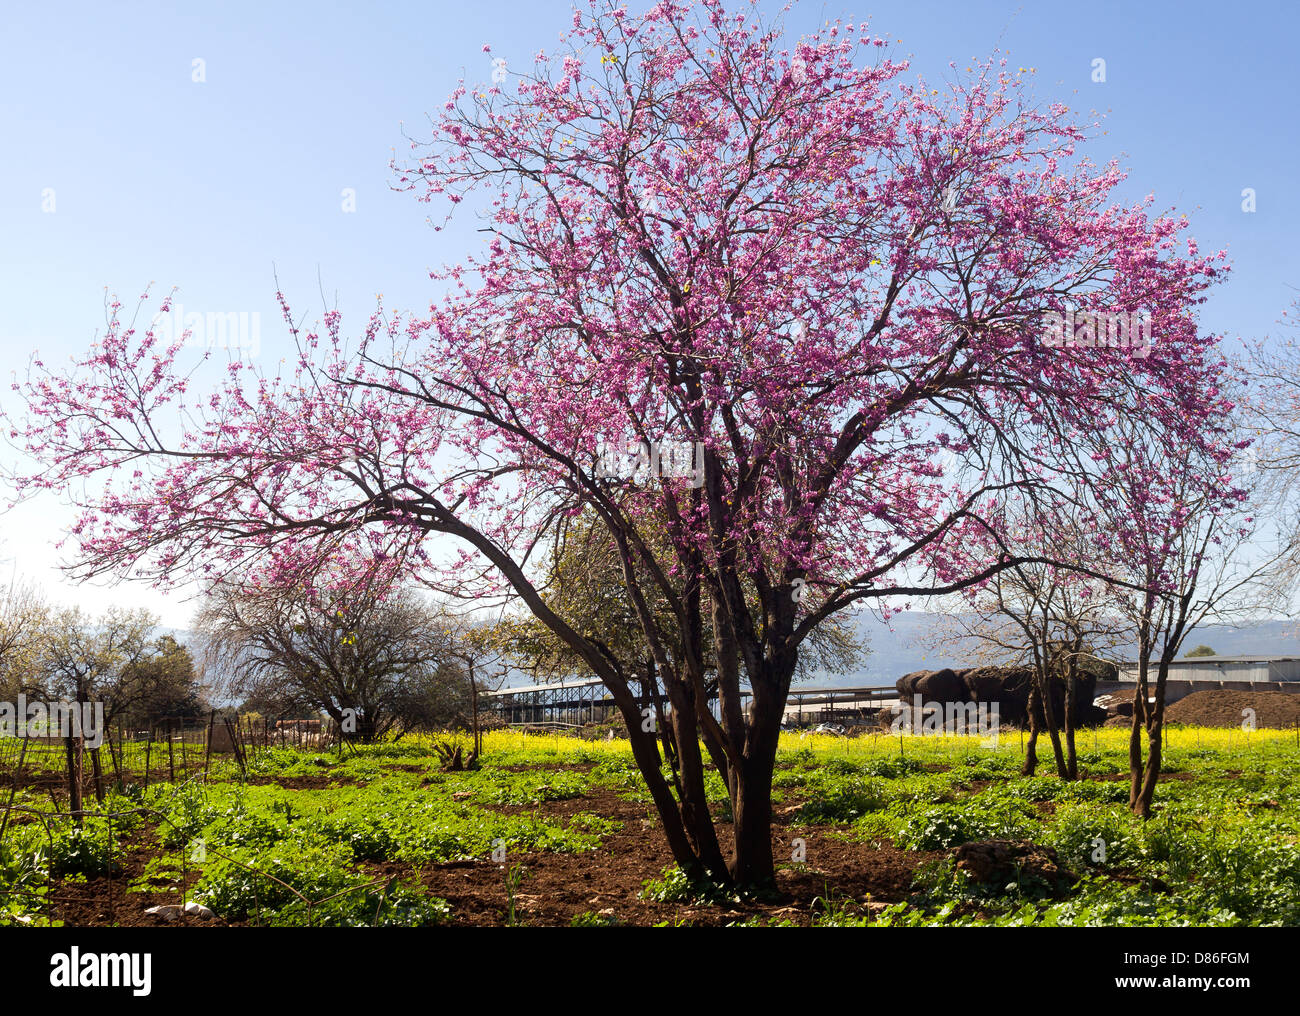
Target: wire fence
40 893
72 769
84 784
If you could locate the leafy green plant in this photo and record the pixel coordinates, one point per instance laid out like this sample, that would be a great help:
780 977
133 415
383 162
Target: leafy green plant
515 876
591 919
674 886
844 800
23 886
81 850
949 825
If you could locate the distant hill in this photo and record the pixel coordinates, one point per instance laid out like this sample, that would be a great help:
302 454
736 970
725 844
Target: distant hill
895 648
900 646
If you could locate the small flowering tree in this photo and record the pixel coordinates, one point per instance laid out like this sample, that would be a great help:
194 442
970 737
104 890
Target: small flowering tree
823 277
1180 552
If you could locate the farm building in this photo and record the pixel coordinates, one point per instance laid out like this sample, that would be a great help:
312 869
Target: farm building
572 703
1237 673
562 703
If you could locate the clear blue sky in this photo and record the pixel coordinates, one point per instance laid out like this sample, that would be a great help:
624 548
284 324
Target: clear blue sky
210 186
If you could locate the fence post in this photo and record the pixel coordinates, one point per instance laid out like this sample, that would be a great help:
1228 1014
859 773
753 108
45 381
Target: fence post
232 728
171 755
98 773
74 781
185 852
148 752
207 758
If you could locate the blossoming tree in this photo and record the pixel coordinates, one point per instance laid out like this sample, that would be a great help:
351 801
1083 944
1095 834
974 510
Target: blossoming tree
822 278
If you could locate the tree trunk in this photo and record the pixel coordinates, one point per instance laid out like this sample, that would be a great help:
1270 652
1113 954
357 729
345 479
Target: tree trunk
752 864
1135 772
751 800
646 755
1071 754
694 806
1142 804
1142 792
1049 721
1031 746
473 695
74 779
98 774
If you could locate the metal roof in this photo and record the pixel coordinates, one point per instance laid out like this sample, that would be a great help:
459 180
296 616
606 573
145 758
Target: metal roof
553 686
795 690
1196 660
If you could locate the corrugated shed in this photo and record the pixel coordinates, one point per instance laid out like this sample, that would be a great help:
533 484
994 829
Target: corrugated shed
1225 668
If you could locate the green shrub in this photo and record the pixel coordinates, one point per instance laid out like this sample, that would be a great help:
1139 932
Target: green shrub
79 850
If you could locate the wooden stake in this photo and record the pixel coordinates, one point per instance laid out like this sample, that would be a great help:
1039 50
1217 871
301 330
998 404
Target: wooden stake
98 775
74 781
207 758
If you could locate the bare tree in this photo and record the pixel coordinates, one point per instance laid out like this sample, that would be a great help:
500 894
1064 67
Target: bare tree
1054 618
1269 456
23 618
370 656
98 660
1059 625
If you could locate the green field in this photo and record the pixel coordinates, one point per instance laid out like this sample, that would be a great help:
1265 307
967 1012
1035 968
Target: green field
382 836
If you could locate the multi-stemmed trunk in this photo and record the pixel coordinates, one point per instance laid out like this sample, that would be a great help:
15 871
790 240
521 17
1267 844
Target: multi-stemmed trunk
1148 718
751 792
683 806
1142 802
1071 753
1049 721
694 803
1041 714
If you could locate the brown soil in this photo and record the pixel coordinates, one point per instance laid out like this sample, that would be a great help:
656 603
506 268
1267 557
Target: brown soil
608 881
103 901
1222 708
559 887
